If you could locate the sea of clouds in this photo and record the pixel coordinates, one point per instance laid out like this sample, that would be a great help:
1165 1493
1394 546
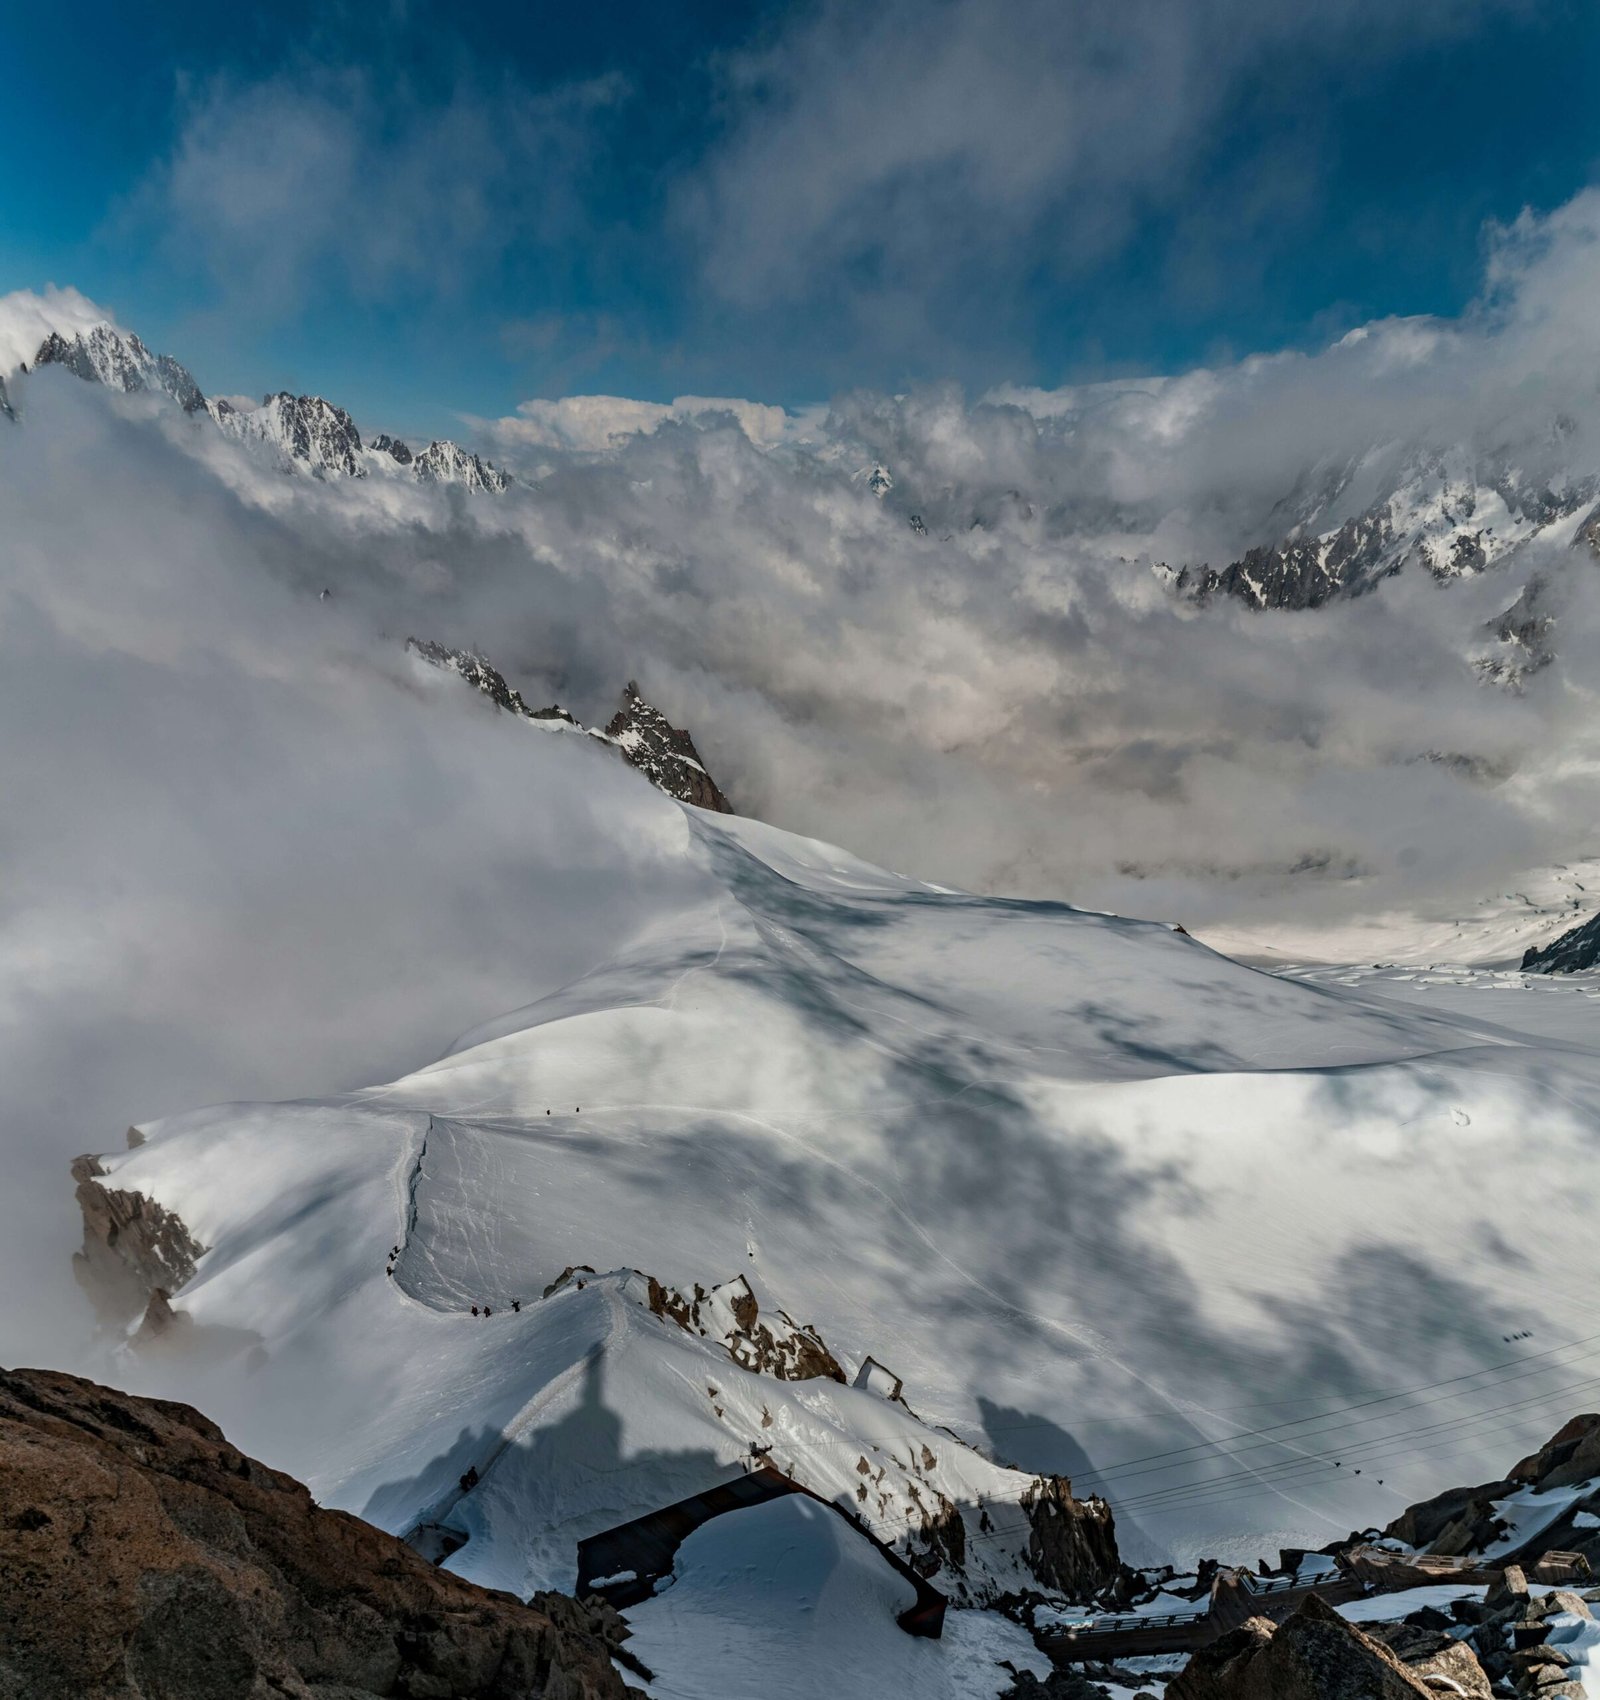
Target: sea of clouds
246 854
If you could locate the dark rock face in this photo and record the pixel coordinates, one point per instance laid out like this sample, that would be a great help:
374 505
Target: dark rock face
1576 950
663 753
1073 1547
144 1558
397 451
1304 572
119 359
1524 637
136 1254
1315 1655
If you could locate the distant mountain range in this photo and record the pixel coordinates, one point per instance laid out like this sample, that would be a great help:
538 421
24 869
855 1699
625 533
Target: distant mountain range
297 432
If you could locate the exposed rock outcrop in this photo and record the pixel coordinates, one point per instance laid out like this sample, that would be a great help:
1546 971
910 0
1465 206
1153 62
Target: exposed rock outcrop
639 732
1073 1547
731 1315
397 451
1577 949
1438 1660
300 430
664 753
1315 1655
136 1254
144 1558
1451 515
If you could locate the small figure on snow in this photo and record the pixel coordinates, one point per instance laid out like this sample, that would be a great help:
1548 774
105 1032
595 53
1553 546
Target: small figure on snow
474 1310
516 1304
470 1480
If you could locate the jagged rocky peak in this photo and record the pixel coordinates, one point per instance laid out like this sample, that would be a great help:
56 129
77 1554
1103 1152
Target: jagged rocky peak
142 1555
664 753
444 462
104 355
475 669
384 444
641 733
300 430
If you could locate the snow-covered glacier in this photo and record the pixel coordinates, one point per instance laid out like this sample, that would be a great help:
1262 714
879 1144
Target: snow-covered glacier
1104 1202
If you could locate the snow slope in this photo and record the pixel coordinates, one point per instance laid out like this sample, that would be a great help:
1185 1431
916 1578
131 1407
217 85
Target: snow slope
1240 1253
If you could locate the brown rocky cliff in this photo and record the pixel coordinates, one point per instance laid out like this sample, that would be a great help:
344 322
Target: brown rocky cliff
1316 1655
144 1558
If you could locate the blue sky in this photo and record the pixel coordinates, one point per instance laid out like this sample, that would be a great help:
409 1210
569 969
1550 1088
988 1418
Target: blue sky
424 210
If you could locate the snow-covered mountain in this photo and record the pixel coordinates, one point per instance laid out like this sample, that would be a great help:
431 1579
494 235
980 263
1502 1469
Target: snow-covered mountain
1450 515
104 355
444 462
1013 1229
298 431
1079 1183
294 433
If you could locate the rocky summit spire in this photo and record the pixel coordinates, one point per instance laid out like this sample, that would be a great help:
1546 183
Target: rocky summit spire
663 753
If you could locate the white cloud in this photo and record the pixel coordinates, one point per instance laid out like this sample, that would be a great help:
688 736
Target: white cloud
915 139
26 319
276 188
247 854
595 422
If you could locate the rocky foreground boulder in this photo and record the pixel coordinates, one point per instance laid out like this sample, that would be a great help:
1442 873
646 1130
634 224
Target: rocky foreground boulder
144 1558
1314 1655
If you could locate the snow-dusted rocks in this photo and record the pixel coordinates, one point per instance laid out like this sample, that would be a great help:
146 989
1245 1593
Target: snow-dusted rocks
444 462
664 753
731 1315
294 432
1450 515
1316 1655
298 431
105 355
639 732
1575 951
135 1254
396 450
478 673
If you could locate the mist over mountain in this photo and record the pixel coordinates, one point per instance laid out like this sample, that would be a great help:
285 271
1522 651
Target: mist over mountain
1293 639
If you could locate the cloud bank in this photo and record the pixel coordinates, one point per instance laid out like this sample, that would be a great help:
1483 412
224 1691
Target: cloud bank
250 851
